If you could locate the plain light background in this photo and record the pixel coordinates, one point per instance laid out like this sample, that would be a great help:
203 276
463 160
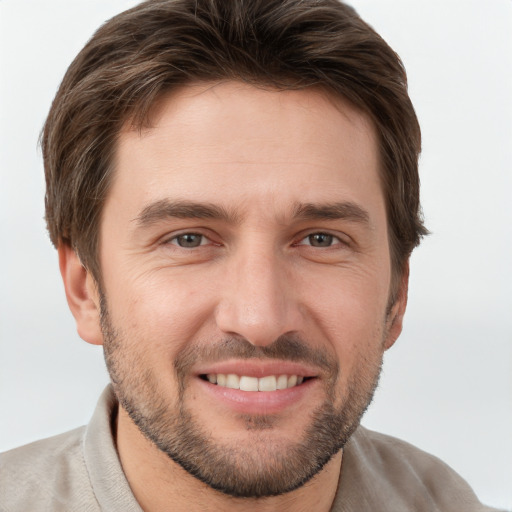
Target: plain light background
447 383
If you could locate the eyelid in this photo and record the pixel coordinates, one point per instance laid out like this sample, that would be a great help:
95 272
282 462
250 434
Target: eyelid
174 238
338 238
171 239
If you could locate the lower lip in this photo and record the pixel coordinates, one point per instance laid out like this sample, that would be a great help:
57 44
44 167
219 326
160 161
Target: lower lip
258 402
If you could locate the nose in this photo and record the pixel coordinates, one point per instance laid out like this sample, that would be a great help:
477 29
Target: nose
259 297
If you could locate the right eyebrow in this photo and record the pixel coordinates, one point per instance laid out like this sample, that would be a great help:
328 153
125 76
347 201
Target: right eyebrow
165 209
332 211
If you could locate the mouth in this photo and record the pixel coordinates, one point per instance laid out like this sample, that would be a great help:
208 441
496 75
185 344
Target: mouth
258 386
267 383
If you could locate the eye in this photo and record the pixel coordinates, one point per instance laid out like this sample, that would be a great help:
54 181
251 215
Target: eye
320 240
189 240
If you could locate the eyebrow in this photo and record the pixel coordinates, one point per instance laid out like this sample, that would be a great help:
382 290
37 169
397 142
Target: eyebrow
333 211
165 209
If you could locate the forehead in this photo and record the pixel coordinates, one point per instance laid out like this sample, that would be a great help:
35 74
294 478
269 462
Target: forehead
228 141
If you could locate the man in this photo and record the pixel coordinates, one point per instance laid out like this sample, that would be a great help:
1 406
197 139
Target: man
233 193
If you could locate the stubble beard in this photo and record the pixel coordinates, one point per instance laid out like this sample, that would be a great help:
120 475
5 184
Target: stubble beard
265 466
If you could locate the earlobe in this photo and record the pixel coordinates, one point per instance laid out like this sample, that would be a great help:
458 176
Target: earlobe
81 294
396 315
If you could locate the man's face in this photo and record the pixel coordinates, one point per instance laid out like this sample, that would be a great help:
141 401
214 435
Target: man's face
244 245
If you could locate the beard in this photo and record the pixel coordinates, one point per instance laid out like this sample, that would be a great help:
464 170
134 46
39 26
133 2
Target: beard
263 465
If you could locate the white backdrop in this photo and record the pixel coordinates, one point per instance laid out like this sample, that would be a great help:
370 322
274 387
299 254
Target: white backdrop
447 383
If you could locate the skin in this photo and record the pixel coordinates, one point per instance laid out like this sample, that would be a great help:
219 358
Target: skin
257 275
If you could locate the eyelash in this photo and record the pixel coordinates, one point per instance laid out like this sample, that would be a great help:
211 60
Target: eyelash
174 240
332 239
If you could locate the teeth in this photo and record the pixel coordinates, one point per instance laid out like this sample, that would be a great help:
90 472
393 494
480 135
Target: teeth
282 382
233 381
248 383
267 383
245 383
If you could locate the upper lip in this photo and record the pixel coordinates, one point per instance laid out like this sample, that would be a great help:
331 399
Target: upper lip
257 368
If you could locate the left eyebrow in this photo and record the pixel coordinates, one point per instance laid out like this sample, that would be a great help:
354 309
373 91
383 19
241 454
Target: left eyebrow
333 211
165 209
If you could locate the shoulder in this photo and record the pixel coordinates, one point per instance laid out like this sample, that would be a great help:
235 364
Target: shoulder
381 470
388 452
49 474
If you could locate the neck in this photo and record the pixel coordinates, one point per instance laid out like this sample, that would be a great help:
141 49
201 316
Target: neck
156 481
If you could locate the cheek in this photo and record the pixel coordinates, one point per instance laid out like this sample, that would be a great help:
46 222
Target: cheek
160 308
349 302
351 319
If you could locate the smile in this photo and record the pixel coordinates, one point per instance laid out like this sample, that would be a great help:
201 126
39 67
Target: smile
246 383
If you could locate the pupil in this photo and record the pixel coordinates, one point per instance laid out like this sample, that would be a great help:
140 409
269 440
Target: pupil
321 240
189 240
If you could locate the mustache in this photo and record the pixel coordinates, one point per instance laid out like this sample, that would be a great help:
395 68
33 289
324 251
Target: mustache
288 347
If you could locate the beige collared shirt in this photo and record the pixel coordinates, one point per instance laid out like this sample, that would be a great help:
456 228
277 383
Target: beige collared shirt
80 471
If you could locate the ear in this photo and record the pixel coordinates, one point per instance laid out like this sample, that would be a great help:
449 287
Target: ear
82 295
395 318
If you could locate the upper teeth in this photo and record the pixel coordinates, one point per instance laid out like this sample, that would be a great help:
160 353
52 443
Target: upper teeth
244 383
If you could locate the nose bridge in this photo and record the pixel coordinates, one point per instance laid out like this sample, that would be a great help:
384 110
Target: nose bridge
257 299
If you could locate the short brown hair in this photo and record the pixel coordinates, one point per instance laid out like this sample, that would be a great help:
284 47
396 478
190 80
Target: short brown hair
141 54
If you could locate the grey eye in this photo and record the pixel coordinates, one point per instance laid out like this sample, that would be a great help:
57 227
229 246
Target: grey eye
320 240
189 240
